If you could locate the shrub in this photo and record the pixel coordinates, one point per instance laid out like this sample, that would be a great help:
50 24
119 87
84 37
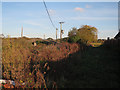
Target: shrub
73 39
23 62
65 39
86 33
82 42
49 39
15 59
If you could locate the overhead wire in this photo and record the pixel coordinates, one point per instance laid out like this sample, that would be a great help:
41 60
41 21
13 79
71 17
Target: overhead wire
48 14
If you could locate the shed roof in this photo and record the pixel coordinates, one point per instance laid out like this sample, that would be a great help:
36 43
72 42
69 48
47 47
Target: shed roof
117 36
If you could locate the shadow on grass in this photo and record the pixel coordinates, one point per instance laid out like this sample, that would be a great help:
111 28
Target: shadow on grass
96 67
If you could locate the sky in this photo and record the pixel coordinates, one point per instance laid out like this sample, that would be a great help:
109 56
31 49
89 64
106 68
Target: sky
34 19
60 0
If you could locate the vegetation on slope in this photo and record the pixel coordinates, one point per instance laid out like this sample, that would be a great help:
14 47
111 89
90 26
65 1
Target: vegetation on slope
50 64
24 63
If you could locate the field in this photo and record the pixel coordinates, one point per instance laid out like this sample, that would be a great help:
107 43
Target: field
59 65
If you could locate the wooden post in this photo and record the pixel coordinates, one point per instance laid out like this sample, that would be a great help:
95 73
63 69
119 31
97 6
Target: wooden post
22 31
61 29
56 33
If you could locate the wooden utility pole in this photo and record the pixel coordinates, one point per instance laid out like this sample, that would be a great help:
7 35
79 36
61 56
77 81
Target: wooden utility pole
22 31
56 33
61 31
44 36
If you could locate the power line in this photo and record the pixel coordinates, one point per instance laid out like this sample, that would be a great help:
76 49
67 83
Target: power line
48 14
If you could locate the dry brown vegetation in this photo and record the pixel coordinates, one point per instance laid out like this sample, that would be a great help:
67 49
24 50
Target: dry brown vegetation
25 63
60 65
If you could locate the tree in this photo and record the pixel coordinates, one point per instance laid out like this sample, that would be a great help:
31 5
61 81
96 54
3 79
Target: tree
86 34
72 32
73 39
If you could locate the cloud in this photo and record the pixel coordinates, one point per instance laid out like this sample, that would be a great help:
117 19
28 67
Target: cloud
79 9
88 6
39 24
32 23
94 18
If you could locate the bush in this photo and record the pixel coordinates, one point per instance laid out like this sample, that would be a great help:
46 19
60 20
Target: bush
42 42
49 39
80 41
65 39
15 57
86 33
73 39
24 63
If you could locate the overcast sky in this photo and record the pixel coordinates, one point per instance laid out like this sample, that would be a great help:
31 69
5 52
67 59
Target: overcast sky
34 19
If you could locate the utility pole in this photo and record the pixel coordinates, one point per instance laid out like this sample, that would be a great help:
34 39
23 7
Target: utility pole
56 33
44 36
22 31
61 31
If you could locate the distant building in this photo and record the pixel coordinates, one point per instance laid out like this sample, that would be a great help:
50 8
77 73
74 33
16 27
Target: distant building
2 36
118 35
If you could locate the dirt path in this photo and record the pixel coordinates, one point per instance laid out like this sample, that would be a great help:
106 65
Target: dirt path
98 68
